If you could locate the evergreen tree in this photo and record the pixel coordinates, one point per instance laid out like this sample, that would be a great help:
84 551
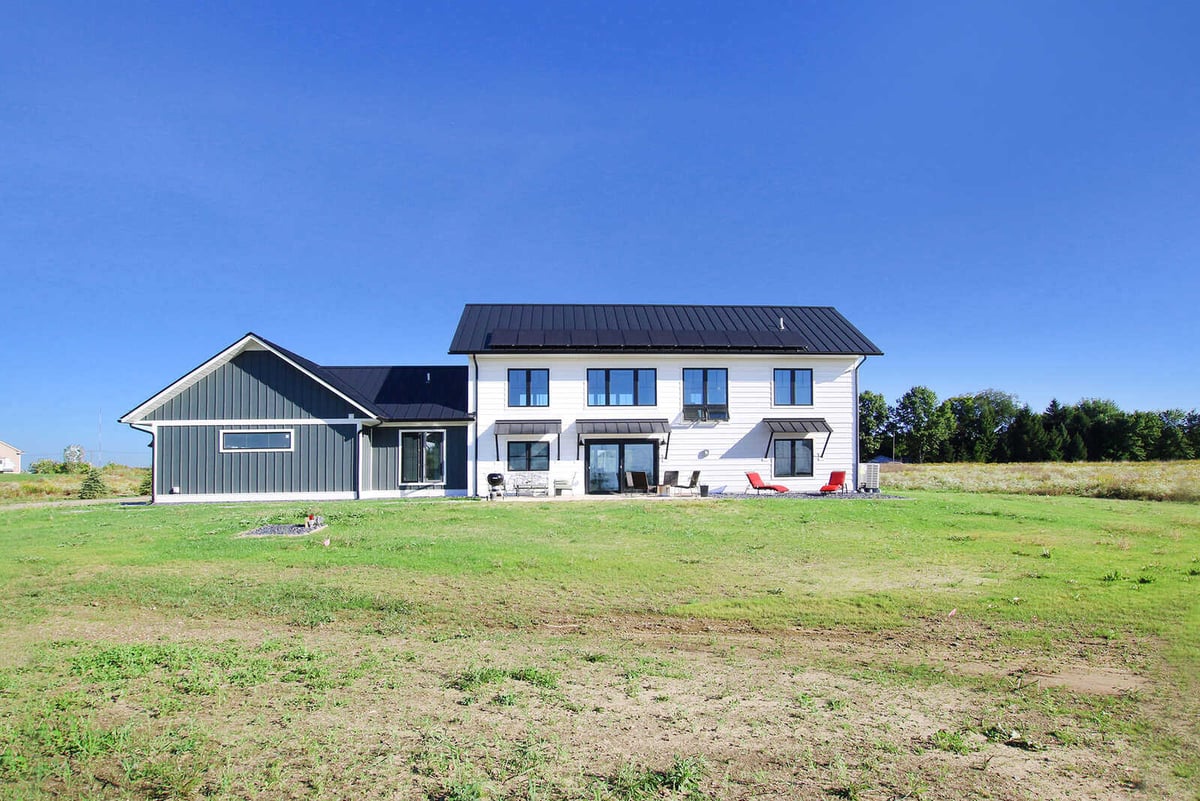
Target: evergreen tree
1076 451
93 485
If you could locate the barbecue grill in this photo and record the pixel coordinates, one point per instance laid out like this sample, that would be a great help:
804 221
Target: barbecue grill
495 485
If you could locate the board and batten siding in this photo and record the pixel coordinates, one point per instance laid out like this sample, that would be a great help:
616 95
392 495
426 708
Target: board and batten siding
189 457
384 462
254 384
722 451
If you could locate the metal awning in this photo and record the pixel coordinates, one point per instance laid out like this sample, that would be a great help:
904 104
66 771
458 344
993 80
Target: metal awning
797 425
591 429
527 428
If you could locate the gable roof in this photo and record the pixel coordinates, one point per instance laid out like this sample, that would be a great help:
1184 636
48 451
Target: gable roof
606 328
14 448
375 391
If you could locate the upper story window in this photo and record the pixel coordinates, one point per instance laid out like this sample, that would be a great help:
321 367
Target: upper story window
256 440
706 394
793 388
528 387
622 387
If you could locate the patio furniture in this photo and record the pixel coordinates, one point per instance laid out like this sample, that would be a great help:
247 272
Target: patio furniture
758 485
693 485
837 483
670 481
637 481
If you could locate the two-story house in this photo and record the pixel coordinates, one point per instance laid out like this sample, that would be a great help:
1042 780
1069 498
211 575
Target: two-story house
587 393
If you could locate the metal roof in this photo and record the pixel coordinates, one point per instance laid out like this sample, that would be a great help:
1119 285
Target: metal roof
408 393
810 425
588 427
527 427
528 328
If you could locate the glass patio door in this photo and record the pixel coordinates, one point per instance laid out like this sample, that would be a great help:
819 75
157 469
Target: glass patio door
607 462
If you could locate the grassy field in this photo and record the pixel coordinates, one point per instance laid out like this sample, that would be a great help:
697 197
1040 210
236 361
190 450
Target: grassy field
1149 481
123 482
953 645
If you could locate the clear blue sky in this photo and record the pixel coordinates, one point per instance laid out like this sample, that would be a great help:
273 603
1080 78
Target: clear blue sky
999 194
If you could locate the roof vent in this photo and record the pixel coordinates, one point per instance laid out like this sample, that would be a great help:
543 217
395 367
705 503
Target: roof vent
781 328
428 379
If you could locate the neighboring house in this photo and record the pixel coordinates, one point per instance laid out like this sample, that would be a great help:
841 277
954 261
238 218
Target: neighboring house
10 458
258 422
585 393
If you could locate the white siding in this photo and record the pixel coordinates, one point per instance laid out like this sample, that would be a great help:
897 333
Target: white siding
723 451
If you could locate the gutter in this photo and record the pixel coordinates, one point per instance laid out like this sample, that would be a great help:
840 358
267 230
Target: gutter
855 441
149 429
475 426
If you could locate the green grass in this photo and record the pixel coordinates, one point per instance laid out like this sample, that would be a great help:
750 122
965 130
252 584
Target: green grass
101 684
121 480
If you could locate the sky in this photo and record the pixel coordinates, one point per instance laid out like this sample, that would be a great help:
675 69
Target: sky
999 194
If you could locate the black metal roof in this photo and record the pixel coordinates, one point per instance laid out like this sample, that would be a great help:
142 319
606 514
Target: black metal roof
408 393
529 328
808 425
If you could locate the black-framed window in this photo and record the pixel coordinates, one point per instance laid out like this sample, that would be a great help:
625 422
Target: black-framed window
528 387
622 387
422 457
529 456
793 387
705 393
793 457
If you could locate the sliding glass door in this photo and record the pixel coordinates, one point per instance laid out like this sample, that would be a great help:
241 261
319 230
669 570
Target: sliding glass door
607 463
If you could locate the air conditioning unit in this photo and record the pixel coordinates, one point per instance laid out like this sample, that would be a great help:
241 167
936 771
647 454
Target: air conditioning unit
868 477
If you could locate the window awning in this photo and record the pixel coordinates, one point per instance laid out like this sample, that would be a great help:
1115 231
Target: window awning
797 425
527 428
591 429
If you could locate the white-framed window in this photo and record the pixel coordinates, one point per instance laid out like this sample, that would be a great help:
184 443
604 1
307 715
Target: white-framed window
257 440
422 457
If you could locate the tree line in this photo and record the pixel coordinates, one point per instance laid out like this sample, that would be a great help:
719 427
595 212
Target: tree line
992 426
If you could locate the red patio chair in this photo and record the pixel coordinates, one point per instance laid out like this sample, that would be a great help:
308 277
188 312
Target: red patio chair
837 482
757 484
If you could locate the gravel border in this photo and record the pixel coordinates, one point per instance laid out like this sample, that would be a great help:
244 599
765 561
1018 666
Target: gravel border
283 530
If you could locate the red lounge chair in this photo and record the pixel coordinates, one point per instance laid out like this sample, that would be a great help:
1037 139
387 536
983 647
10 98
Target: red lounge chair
759 485
837 482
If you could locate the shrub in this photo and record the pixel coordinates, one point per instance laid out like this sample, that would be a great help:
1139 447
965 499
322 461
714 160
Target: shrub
146 487
93 486
44 466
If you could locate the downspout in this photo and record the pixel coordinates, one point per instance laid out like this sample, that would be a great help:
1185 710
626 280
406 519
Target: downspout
854 443
475 424
149 429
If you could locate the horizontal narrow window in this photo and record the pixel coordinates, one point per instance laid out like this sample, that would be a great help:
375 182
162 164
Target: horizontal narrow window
529 456
793 387
280 440
622 387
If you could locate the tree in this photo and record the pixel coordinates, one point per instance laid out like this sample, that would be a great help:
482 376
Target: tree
73 459
93 485
921 422
872 424
1076 451
1026 437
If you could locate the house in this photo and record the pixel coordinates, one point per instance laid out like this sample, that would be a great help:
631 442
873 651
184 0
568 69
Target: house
585 393
258 422
10 458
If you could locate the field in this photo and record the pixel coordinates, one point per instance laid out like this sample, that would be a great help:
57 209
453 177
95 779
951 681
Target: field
952 645
35 487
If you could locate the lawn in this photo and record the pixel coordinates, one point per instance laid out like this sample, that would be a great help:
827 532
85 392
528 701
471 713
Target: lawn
951 645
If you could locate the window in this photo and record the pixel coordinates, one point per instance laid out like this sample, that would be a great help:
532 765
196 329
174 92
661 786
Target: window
529 456
793 388
260 440
422 457
528 387
622 387
793 457
705 394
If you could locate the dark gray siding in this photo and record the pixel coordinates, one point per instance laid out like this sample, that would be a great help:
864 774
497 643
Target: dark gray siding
254 384
322 461
385 457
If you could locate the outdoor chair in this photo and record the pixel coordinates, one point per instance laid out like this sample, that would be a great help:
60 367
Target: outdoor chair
670 480
758 485
692 485
837 482
637 481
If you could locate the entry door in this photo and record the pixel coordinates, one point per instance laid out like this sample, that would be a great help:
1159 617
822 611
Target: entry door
607 462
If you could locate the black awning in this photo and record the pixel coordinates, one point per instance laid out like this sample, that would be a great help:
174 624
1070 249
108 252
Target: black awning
586 429
594 427
506 428
797 425
801 425
526 428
